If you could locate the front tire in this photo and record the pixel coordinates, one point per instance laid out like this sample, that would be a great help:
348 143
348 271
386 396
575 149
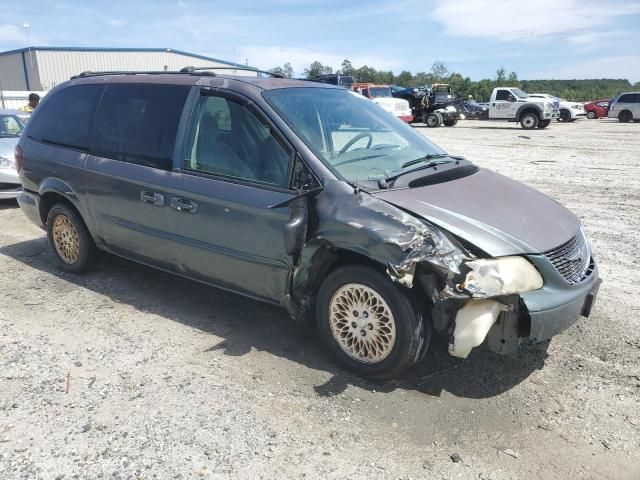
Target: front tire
529 120
591 115
71 242
450 123
565 116
434 120
544 123
369 324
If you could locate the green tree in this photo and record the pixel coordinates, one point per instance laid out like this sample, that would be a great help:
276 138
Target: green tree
501 77
365 74
347 68
404 78
287 70
316 68
439 70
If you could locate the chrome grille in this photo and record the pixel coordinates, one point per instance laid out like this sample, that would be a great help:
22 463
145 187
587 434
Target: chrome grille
571 259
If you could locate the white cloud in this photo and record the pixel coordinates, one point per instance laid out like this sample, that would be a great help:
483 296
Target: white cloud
300 58
508 20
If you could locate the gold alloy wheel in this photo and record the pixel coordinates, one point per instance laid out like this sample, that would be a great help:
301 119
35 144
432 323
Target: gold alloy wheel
66 239
362 323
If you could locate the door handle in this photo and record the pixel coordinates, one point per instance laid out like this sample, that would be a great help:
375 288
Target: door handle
183 205
152 198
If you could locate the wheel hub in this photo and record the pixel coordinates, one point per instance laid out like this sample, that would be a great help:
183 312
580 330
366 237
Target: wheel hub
362 323
66 239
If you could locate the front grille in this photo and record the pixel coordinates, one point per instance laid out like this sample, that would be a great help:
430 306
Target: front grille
572 259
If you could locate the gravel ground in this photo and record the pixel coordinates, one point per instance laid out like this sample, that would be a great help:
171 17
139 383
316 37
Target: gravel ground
127 372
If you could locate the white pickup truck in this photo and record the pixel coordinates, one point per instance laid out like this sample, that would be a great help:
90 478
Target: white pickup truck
513 105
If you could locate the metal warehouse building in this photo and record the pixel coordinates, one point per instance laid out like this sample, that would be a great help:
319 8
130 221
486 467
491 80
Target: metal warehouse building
42 68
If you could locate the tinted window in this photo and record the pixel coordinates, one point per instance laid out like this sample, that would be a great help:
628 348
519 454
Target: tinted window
138 123
503 95
65 118
10 126
227 139
628 98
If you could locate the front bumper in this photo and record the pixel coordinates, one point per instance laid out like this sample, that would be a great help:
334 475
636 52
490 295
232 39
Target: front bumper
9 183
406 118
30 205
558 305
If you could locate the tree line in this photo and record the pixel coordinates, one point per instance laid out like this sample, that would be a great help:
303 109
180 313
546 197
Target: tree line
578 90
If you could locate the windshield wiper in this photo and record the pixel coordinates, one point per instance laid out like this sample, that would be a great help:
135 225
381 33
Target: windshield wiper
426 158
385 182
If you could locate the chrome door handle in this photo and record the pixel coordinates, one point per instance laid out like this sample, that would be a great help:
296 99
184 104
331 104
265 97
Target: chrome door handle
183 205
152 198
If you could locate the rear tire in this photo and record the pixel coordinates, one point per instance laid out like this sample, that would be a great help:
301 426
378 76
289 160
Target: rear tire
529 120
625 116
369 324
70 241
591 115
433 120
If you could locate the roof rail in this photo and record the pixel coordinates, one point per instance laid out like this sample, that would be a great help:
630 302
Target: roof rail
244 69
204 71
129 72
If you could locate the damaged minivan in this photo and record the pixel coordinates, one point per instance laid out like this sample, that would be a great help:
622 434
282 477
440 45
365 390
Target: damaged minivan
306 196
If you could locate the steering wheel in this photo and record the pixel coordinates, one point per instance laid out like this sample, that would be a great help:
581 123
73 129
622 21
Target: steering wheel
350 143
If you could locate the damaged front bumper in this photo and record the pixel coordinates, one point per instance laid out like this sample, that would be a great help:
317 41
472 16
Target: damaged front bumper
508 321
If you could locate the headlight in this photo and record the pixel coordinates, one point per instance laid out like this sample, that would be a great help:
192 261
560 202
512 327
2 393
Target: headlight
6 162
500 276
577 107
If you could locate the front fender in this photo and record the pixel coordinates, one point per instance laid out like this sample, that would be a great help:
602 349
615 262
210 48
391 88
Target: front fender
528 106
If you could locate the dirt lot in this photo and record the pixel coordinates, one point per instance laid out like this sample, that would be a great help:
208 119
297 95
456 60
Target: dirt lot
171 379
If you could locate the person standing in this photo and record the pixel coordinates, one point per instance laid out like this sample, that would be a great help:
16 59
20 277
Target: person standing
34 99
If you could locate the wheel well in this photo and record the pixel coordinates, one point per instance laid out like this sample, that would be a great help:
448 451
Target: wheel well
528 110
49 199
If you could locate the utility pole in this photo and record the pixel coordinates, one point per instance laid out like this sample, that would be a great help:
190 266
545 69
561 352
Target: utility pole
26 29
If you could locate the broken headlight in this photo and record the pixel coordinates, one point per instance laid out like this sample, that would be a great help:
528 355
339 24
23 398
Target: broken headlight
491 277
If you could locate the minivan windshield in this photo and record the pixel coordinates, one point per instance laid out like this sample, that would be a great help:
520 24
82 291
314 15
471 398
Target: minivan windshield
351 134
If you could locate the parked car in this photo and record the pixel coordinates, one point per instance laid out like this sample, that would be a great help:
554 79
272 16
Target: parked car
382 95
514 105
309 197
625 107
11 126
597 108
474 111
569 111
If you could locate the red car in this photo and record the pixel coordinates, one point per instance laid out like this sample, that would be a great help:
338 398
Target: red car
597 108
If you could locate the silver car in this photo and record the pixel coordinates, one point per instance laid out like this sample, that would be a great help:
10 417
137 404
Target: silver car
625 107
11 126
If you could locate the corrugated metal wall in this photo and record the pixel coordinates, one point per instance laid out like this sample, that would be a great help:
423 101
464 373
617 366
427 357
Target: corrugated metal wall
12 72
58 66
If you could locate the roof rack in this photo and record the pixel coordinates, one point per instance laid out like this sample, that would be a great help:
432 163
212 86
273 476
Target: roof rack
204 71
245 69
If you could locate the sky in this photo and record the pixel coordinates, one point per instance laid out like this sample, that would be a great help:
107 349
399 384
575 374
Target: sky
561 39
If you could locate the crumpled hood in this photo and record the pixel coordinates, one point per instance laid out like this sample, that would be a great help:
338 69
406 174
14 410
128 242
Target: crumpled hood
493 212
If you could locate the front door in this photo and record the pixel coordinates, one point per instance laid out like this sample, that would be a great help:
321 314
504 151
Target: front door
234 168
504 106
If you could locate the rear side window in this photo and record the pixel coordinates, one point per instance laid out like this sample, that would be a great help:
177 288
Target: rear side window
628 98
65 118
137 123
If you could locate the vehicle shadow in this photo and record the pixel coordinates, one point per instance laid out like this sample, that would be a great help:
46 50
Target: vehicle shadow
9 204
245 324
